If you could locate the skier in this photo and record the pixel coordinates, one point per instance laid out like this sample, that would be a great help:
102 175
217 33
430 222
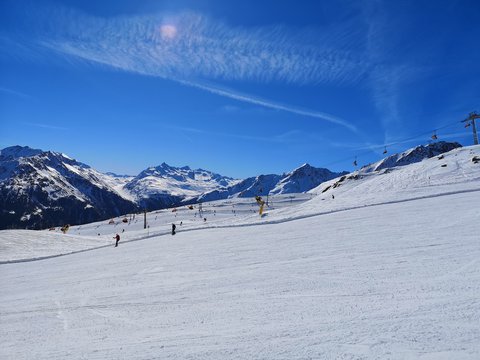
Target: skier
117 237
173 229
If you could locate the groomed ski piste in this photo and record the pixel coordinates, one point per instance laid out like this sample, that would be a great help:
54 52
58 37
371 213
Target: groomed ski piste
378 265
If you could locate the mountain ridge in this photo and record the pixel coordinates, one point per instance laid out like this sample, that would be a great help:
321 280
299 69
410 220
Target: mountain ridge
40 189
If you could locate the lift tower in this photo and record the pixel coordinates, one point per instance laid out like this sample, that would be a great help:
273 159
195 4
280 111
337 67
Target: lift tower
470 120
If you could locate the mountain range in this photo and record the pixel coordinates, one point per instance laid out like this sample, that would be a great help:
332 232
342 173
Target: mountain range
41 189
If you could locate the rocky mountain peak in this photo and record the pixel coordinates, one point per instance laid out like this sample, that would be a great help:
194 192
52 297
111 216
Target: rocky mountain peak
17 152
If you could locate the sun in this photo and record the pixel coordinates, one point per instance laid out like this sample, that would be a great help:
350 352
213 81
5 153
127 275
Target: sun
168 32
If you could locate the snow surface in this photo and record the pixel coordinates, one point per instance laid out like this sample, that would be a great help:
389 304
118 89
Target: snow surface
388 269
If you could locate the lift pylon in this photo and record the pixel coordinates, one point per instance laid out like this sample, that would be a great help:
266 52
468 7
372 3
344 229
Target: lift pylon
470 120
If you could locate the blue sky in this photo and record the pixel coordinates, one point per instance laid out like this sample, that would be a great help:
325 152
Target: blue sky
236 87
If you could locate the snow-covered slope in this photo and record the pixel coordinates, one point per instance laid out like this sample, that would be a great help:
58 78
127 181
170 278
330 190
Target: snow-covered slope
16 245
451 171
388 269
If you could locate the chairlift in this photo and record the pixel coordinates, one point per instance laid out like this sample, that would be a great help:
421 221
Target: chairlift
468 124
385 150
434 136
355 161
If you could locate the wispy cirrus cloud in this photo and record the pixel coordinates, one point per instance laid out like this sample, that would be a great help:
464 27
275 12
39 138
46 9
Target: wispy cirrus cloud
392 70
384 80
272 105
45 126
15 93
189 45
195 50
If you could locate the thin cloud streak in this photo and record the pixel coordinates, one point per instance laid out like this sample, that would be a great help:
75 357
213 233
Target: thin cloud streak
385 80
15 93
272 105
45 126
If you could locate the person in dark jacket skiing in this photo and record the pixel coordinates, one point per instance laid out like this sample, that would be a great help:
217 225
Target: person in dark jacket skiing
173 229
117 237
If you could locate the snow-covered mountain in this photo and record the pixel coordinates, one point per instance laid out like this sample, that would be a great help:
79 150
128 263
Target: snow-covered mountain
250 187
44 188
165 185
302 179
